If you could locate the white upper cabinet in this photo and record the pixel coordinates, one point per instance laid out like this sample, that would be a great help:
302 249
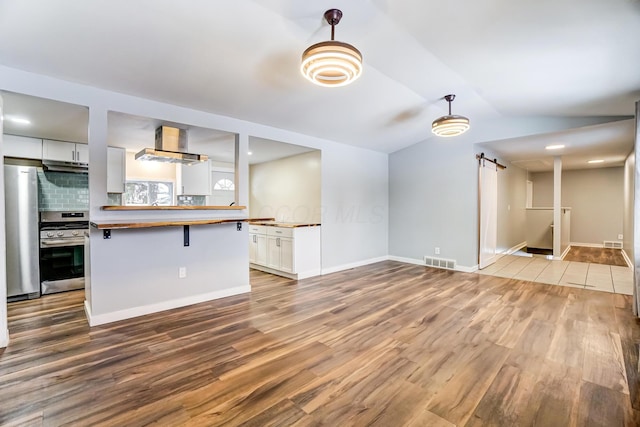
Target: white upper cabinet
196 179
65 151
22 147
115 169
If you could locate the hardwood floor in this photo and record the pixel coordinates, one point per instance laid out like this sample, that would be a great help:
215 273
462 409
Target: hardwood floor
607 256
388 344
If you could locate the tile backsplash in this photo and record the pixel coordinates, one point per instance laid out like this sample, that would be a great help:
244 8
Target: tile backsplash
63 191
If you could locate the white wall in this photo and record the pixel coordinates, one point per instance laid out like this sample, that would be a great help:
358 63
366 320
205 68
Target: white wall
627 217
596 197
287 189
4 335
354 190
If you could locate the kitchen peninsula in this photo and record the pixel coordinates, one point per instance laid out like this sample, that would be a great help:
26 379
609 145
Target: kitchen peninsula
159 263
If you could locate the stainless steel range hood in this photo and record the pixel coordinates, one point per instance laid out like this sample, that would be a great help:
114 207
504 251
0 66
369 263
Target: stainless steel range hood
58 166
171 147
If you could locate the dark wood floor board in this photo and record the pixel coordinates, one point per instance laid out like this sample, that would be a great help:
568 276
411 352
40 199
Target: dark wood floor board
458 398
385 344
601 406
507 401
608 256
604 361
555 395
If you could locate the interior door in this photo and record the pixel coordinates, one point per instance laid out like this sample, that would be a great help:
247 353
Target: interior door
488 179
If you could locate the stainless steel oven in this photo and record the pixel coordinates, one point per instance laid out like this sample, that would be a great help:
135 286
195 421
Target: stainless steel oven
62 250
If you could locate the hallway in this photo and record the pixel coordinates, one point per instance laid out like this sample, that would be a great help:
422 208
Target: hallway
597 277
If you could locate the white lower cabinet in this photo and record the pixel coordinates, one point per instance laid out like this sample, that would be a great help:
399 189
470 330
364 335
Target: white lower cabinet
290 252
257 245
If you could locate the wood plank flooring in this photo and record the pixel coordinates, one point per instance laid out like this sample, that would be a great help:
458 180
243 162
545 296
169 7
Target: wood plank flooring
607 256
388 344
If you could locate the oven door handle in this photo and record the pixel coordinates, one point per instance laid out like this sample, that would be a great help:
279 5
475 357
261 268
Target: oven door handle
61 243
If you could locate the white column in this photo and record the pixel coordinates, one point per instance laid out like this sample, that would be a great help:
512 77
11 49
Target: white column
98 133
242 169
557 202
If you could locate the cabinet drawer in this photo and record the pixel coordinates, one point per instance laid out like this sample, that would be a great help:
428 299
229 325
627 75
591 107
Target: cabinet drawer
257 229
279 231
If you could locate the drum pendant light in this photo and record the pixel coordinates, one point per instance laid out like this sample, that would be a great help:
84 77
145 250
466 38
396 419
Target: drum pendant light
331 63
450 125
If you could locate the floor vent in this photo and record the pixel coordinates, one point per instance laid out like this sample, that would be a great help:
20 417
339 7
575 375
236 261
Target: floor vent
449 264
612 244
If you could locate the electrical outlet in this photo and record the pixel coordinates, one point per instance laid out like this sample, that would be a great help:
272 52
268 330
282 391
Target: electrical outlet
182 272
619 236
437 251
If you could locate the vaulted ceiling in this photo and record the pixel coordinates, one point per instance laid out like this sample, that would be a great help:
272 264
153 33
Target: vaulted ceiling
561 58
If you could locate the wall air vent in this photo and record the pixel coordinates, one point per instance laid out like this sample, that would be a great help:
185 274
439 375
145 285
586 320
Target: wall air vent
612 244
449 264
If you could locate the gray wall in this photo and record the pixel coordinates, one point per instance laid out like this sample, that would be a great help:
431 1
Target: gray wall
596 197
433 188
433 201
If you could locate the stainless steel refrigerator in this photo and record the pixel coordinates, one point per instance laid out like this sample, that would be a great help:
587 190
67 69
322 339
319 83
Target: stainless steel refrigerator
21 224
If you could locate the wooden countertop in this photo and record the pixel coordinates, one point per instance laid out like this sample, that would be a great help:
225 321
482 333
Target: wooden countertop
172 208
282 224
117 224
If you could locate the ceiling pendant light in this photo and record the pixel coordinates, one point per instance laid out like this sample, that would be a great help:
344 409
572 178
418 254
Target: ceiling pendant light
331 63
450 125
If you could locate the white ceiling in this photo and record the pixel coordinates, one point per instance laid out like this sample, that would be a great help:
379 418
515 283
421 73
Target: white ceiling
500 57
611 142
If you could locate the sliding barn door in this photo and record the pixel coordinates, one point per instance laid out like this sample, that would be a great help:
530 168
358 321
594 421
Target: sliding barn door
488 189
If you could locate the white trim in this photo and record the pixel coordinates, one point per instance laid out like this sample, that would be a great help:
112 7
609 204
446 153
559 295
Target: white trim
587 245
627 259
407 260
4 338
114 316
515 248
566 251
354 265
460 268
465 269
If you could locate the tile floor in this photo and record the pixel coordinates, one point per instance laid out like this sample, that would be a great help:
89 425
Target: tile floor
599 277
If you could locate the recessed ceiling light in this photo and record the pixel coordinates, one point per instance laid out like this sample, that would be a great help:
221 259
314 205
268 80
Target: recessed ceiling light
554 147
596 161
18 120
250 153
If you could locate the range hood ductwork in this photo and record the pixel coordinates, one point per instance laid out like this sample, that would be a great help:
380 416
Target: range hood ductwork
171 147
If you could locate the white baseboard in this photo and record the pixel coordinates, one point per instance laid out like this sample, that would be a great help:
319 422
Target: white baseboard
627 259
406 260
516 248
465 269
114 316
4 339
354 264
566 251
461 268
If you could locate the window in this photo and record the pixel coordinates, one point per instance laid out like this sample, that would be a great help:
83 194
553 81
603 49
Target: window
224 184
148 193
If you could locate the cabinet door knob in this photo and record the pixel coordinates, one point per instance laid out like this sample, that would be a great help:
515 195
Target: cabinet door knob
73 154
